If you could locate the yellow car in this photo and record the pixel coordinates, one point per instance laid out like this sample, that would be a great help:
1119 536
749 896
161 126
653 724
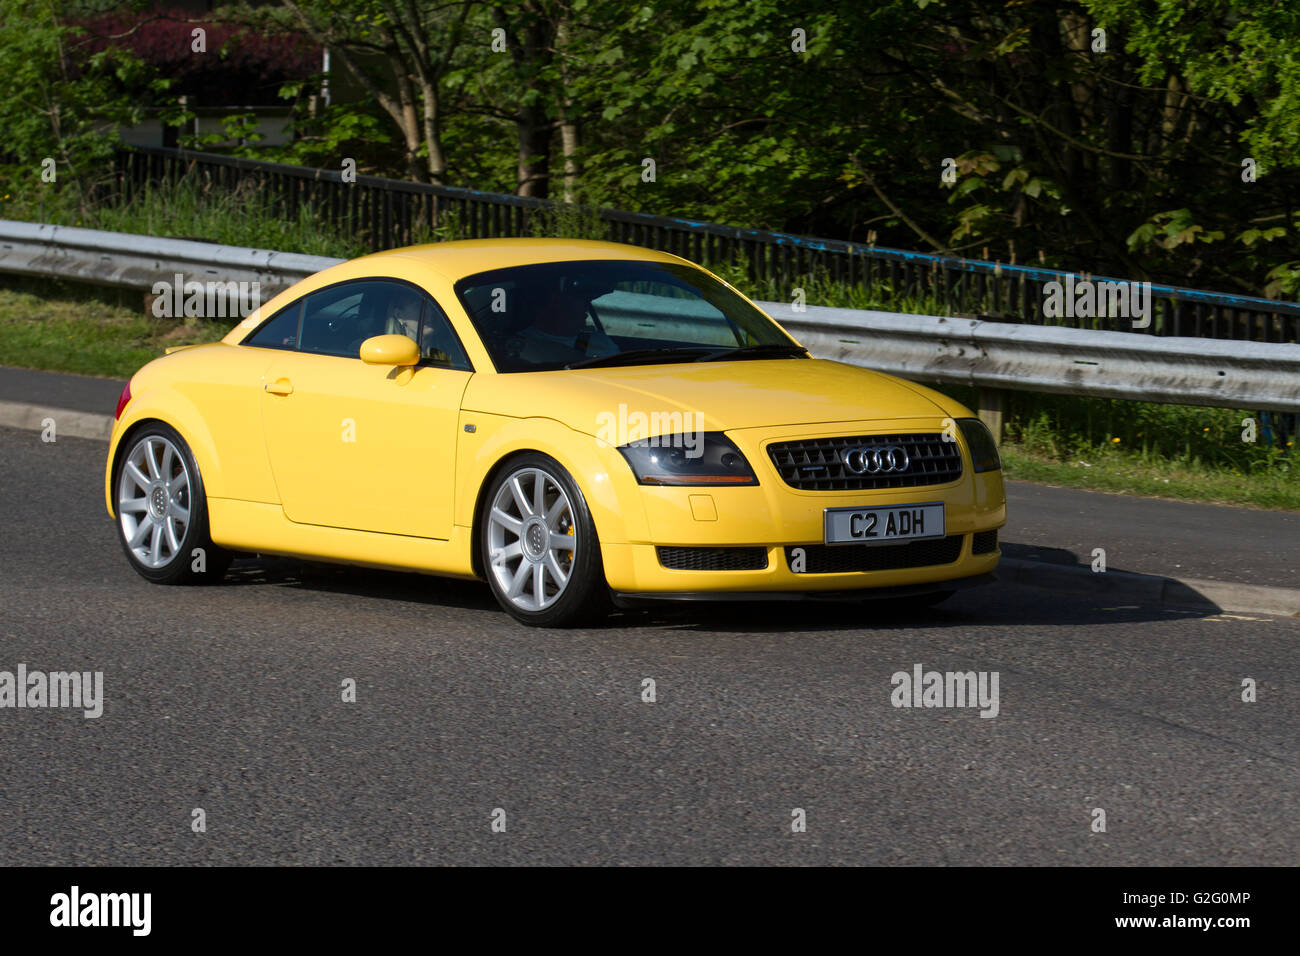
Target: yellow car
578 423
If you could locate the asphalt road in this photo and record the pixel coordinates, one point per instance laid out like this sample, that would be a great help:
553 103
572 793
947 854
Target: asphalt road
1177 539
81 393
228 698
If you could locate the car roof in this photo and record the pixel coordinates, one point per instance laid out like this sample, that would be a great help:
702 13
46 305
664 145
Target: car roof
453 261
465 257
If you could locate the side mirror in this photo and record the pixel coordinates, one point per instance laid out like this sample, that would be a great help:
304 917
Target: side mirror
390 350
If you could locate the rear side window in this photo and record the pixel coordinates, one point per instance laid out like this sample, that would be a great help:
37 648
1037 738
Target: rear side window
281 332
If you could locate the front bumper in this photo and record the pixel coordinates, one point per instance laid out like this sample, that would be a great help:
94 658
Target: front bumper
774 516
636 569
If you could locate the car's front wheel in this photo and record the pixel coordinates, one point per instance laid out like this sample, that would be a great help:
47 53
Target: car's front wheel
539 548
162 514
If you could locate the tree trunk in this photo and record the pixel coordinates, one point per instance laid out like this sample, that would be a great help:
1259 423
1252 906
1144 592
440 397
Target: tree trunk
530 41
569 146
568 124
534 132
437 160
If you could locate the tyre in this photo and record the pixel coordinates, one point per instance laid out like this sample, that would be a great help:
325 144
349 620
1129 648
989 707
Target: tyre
162 512
538 546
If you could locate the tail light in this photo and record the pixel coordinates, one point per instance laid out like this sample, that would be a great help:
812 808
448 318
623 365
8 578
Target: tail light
122 400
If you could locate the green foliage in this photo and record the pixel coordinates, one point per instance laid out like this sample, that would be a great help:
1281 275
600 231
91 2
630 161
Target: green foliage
61 98
191 209
239 136
1122 159
339 130
568 221
1068 427
820 289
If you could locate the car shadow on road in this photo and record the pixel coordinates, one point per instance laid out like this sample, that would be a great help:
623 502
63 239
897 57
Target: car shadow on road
1000 604
996 605
265 570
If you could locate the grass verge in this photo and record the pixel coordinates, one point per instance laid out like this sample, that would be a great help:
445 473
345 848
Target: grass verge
60 327
1127 475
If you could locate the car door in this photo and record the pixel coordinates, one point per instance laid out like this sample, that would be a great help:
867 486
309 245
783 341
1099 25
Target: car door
365 447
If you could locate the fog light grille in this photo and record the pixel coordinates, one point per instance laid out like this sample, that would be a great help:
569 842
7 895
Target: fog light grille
713 559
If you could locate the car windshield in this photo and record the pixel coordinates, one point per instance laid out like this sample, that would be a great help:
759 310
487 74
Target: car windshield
613 312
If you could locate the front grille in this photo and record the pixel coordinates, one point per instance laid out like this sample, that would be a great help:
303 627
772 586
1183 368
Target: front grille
713 559
817 464
837 559
983 542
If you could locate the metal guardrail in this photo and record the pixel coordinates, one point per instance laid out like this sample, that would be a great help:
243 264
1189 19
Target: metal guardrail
129 261
988 355
997 355
392 212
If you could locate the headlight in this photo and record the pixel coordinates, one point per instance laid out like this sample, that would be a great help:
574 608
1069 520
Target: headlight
983 449
708 458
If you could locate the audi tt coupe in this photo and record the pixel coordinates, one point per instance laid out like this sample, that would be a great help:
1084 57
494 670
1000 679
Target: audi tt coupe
578 423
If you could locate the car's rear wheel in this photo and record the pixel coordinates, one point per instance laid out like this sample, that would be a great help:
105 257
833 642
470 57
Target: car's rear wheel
539 548
162 514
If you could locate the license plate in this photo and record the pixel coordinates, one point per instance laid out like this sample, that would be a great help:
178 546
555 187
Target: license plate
884 525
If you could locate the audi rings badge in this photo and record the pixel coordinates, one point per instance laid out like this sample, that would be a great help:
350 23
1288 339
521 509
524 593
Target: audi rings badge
876 460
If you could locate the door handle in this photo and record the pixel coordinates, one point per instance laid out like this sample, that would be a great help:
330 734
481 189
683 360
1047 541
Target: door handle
280 387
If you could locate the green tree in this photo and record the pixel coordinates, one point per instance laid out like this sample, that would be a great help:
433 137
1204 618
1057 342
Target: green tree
400 53
63 102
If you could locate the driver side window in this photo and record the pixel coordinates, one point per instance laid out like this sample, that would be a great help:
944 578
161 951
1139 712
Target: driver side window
337 320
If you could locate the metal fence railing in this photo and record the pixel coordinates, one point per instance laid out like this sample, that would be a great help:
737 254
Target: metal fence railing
388 213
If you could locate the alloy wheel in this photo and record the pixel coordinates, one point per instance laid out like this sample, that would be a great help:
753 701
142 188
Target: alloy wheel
531 539
153 501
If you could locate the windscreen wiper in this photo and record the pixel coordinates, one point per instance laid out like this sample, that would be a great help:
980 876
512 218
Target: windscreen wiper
752 351
639 355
